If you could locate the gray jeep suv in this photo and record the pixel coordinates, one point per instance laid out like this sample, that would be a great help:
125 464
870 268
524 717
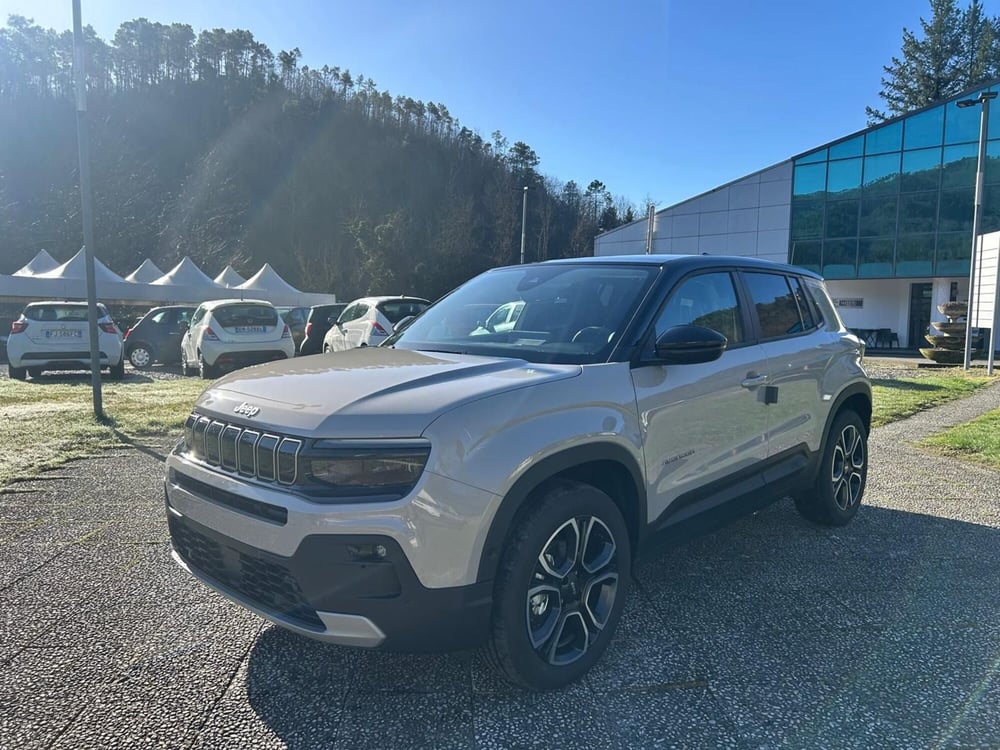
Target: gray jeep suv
465 485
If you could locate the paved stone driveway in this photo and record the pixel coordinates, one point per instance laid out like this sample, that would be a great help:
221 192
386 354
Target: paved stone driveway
769 633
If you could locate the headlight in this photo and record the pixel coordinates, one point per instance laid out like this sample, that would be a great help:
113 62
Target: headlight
380 467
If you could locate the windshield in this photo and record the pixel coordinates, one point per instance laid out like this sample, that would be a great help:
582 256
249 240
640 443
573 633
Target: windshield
564 314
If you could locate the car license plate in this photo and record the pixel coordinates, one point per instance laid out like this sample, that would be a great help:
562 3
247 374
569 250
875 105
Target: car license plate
63 333
251 329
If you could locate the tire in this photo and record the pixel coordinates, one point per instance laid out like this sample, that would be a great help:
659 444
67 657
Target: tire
141 356
185 369
839 487
118 371
35 372
16 373
205 370
547 639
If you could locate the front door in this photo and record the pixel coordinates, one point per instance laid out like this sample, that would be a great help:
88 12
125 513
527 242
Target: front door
920 314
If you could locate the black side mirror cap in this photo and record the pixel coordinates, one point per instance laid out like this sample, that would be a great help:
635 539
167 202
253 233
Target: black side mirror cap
690 345
403 323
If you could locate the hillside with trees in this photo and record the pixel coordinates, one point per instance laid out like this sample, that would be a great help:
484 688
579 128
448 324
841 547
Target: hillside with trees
212 146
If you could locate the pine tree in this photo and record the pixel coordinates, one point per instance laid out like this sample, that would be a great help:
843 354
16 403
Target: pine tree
956 50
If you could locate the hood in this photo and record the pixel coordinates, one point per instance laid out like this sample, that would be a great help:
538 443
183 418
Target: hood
370 392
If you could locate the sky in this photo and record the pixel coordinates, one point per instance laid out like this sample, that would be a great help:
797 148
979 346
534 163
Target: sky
660 100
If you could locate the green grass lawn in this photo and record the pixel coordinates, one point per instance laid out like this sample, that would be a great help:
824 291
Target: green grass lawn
897 399
978 440
51 421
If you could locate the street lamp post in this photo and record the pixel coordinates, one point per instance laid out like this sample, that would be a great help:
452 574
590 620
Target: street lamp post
524 220
977 214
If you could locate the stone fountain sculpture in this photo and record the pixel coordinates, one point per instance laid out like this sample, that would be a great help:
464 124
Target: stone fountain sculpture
948 345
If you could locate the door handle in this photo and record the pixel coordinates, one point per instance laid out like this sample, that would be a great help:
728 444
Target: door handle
753 380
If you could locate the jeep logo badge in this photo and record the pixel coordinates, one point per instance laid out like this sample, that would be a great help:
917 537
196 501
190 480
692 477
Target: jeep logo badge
247 410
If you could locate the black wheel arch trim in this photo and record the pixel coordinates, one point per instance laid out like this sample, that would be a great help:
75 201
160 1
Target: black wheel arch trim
855 389
549 467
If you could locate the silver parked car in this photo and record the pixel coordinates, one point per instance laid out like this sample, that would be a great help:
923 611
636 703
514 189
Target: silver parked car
460 486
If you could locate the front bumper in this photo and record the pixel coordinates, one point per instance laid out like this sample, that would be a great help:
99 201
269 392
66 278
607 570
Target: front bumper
295 562
324 591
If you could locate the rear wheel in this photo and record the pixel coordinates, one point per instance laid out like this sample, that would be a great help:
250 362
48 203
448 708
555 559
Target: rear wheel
118 371
836 494
16 373
205 370
561 587
141 356
35 372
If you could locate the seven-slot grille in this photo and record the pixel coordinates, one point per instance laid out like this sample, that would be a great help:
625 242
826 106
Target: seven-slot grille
242 450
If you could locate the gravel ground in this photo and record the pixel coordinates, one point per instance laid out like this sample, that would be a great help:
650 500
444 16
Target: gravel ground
769 633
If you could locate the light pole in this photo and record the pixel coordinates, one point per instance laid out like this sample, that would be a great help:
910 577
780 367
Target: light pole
977 214
524 220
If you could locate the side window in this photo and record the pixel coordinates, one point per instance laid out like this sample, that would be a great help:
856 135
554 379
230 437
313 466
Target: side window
827 312
707 300
161 317
184 316
809 317
348 314
360 312
776 307
198 315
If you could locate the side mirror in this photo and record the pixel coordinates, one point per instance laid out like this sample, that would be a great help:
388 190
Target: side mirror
403 323
690 345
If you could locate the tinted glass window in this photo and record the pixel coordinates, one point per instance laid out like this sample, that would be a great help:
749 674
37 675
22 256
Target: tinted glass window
805 309
163 316
245 315
62 313
807 219
842 219
827 311
956 210
840 259
708 300
875 257
882 173
844 179
775 304
886 138
915 255
810 179
807 255
953 252
396 310
961 124
925 129
184 316
878 215
815 156
960 164
921 169
848 148
917 212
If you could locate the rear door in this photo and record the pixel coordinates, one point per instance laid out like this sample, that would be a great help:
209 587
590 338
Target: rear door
702 423
356 328
798 351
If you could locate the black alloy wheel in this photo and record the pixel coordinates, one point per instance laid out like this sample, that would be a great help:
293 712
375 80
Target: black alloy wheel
561 587
839 488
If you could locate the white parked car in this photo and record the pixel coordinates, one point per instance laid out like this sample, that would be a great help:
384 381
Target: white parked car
227 334
369 321
54 336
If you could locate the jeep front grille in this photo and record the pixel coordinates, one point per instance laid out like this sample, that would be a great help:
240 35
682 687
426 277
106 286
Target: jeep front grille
243 451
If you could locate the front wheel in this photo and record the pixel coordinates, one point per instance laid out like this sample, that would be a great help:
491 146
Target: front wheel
836 494
561 587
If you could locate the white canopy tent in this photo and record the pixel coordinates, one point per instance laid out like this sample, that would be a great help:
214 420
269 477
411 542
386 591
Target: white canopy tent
41 263
184 283
145 273
229 278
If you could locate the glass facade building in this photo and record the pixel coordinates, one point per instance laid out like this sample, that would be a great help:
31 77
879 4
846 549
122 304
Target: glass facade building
896 200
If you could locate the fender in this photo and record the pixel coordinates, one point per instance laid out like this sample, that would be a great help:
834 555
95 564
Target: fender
854 389
549 467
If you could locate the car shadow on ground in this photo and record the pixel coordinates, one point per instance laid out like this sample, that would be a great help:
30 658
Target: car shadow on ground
768 632
72 377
